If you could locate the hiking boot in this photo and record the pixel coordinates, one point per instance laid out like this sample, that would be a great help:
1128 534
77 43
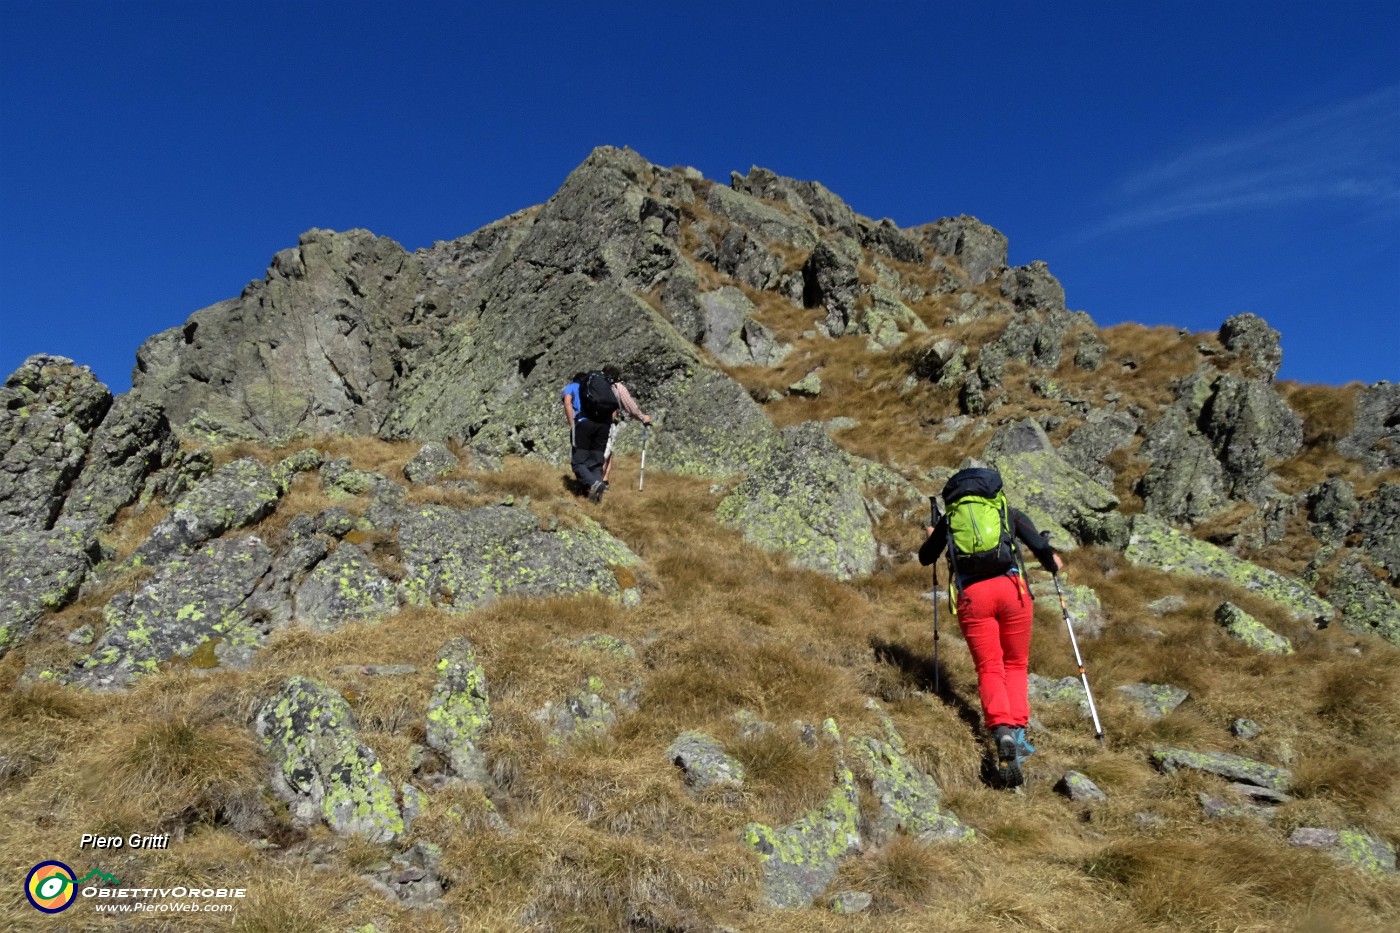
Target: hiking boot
595 492
1024 748
1008 759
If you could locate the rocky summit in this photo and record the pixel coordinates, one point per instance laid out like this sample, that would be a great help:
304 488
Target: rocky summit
318 602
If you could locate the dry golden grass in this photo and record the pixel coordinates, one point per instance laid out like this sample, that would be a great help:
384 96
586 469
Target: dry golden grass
604 835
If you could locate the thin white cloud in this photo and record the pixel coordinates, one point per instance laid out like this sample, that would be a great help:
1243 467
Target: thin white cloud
1349 152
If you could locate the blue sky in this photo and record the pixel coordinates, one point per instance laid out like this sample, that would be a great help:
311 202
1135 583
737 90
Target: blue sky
1174 163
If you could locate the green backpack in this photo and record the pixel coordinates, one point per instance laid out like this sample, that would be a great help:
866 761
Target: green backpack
980 540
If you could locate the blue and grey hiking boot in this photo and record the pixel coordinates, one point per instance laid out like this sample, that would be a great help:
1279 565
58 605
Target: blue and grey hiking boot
1008 757
1024 748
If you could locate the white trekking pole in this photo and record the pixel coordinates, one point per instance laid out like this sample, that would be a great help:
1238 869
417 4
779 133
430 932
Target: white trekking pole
1074 642
641 473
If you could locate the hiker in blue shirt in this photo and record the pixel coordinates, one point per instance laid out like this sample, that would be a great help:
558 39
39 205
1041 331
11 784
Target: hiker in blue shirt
589 434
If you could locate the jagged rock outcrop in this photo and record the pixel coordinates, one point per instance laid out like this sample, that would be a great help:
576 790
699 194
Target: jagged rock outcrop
806 499
1375 433
235 495
49 409
1088 446
1216 442
978 248
321 769
1055 496
732 334
1378 527
1253 340
806 198
832 282
40 571
312 347
432 462
133 441
1155 544
1363 602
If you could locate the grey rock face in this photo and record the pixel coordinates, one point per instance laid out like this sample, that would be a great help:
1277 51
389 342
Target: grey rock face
1036 335
49 408
459 560
237 494
768 223
1250 426
133 441
1033 286
888 240
1184 480
40 571
1254 340
1088 446
808 198
344 587
321 770
1332 510
806 499
195 602
979 249
831 282
459 712
730 332
311 348
1363 602
1375 434
1379 528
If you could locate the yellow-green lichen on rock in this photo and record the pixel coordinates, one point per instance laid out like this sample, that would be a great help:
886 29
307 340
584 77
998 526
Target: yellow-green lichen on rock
461 559
806 499
1153 543
801 858
321 770
459 712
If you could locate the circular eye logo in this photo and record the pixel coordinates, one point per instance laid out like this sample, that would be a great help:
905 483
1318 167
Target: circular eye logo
50 887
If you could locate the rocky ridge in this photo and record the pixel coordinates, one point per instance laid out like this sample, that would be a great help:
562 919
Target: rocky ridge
693 288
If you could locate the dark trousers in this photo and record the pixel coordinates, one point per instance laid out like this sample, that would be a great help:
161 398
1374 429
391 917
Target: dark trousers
590 444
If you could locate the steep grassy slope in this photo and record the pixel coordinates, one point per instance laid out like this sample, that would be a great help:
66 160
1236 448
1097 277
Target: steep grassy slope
605 836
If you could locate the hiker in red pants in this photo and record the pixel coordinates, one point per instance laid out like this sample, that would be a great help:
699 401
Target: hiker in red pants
979 532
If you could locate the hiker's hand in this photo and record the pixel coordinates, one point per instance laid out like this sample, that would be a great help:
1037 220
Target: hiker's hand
928 531
646 419
1059 564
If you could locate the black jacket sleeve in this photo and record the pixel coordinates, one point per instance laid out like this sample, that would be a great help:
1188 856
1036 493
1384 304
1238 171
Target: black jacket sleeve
1022 528
935 543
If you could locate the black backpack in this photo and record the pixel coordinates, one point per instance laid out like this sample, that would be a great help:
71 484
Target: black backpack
980 541
597 398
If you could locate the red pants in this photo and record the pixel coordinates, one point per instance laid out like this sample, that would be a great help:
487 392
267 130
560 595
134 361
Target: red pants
995 616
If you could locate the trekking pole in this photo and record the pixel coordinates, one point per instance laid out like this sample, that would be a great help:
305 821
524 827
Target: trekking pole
933 521
1074 642
641 471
